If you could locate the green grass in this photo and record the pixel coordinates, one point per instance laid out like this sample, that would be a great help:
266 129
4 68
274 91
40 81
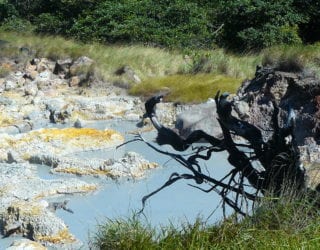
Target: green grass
218 61
146 61
289 223
187 88
191 76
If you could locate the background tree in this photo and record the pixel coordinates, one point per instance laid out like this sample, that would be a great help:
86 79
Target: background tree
238 25
255 24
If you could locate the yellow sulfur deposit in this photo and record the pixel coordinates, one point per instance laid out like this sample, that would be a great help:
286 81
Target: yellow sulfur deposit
79 171
24 208
63 236
60 141
68 134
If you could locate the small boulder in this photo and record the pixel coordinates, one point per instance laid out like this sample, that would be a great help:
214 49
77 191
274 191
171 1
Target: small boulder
129 73
81 72
199 117
31 89
82 65
62 67
10 84
78 123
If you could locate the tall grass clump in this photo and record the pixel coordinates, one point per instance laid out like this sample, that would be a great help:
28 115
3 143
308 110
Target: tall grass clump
291 221
293 58
146 61
133 234
218 61
124 234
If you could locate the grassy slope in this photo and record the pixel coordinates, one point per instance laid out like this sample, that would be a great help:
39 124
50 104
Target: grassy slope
171 71
146 61
158 68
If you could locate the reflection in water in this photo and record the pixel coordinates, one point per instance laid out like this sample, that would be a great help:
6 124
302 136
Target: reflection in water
174 204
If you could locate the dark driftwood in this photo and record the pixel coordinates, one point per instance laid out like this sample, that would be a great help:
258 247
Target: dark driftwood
278 157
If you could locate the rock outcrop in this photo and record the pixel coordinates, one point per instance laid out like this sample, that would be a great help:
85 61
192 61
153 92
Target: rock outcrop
297 92
131 165
26 244
199 117
43 91
24 209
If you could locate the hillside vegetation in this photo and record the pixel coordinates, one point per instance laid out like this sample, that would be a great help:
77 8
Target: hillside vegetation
239 25
175 72
223 39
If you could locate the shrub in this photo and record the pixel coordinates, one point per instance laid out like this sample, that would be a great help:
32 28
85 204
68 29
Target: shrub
165 23
49 23
17 25
259 24
268 36
6 10
310 29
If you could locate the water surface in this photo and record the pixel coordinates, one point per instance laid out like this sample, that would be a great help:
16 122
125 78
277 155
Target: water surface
120 199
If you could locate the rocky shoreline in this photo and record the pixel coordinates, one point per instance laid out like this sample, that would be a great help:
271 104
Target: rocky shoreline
45 109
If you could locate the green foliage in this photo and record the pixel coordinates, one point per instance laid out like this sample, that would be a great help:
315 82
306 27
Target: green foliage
256 24
17 25
175 23
310 29
52 16
48 23
7 10
239 25
123 234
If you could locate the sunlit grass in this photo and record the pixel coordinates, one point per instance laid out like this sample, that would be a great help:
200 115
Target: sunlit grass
218 61
187 88
188 76
146 61
290 223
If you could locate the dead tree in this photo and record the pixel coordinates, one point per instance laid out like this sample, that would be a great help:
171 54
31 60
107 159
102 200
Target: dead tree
277 159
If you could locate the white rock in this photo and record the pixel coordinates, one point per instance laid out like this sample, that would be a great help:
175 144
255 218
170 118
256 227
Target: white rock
25 244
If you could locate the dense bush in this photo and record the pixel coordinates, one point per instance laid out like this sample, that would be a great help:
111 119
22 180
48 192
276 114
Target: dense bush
17 25
257 24
310 29
170 23
244 25
7 10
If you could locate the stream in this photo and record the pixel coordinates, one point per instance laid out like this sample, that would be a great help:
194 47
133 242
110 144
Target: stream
120 199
